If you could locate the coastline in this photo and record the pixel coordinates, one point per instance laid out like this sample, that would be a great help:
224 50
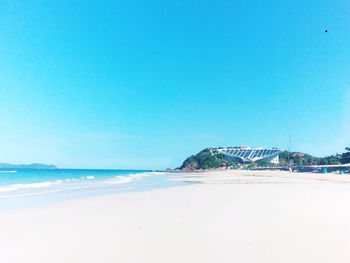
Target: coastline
235 176
33 188
225 217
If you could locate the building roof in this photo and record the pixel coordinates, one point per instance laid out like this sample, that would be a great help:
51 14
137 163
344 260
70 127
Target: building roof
248 154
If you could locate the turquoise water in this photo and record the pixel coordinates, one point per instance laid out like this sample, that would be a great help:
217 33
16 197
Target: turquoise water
26 187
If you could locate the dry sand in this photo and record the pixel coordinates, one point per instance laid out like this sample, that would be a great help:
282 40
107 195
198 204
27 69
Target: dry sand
231 217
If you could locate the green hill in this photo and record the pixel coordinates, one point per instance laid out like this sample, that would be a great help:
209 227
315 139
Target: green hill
205 159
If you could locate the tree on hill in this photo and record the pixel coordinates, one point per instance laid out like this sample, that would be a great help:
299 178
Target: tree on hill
205 160
295 158
345 157
333 159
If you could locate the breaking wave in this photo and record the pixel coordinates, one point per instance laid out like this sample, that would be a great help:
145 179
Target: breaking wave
85 183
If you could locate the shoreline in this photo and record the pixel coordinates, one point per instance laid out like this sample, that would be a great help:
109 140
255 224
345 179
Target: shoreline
229 218
51 190
226 176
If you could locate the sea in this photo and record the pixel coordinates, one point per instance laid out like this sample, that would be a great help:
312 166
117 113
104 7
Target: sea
30 187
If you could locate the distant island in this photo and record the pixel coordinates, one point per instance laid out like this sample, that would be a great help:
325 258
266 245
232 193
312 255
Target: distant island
27 166
212 158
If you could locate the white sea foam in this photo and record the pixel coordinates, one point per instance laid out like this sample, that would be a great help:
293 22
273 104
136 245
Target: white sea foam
14 187
88 177
82 184
139 175
17 187
120 179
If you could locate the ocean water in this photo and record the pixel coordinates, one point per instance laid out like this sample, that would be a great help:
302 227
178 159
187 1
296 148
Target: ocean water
27 187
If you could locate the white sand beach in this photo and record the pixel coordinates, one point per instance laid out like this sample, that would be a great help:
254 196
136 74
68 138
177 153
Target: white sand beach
237 216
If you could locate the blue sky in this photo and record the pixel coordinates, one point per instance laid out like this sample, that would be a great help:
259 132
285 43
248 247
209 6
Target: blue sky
144 84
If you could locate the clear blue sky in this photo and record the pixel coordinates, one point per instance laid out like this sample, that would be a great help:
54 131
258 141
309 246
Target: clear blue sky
144 84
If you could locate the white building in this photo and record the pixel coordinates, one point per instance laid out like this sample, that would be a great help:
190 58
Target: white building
249 155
